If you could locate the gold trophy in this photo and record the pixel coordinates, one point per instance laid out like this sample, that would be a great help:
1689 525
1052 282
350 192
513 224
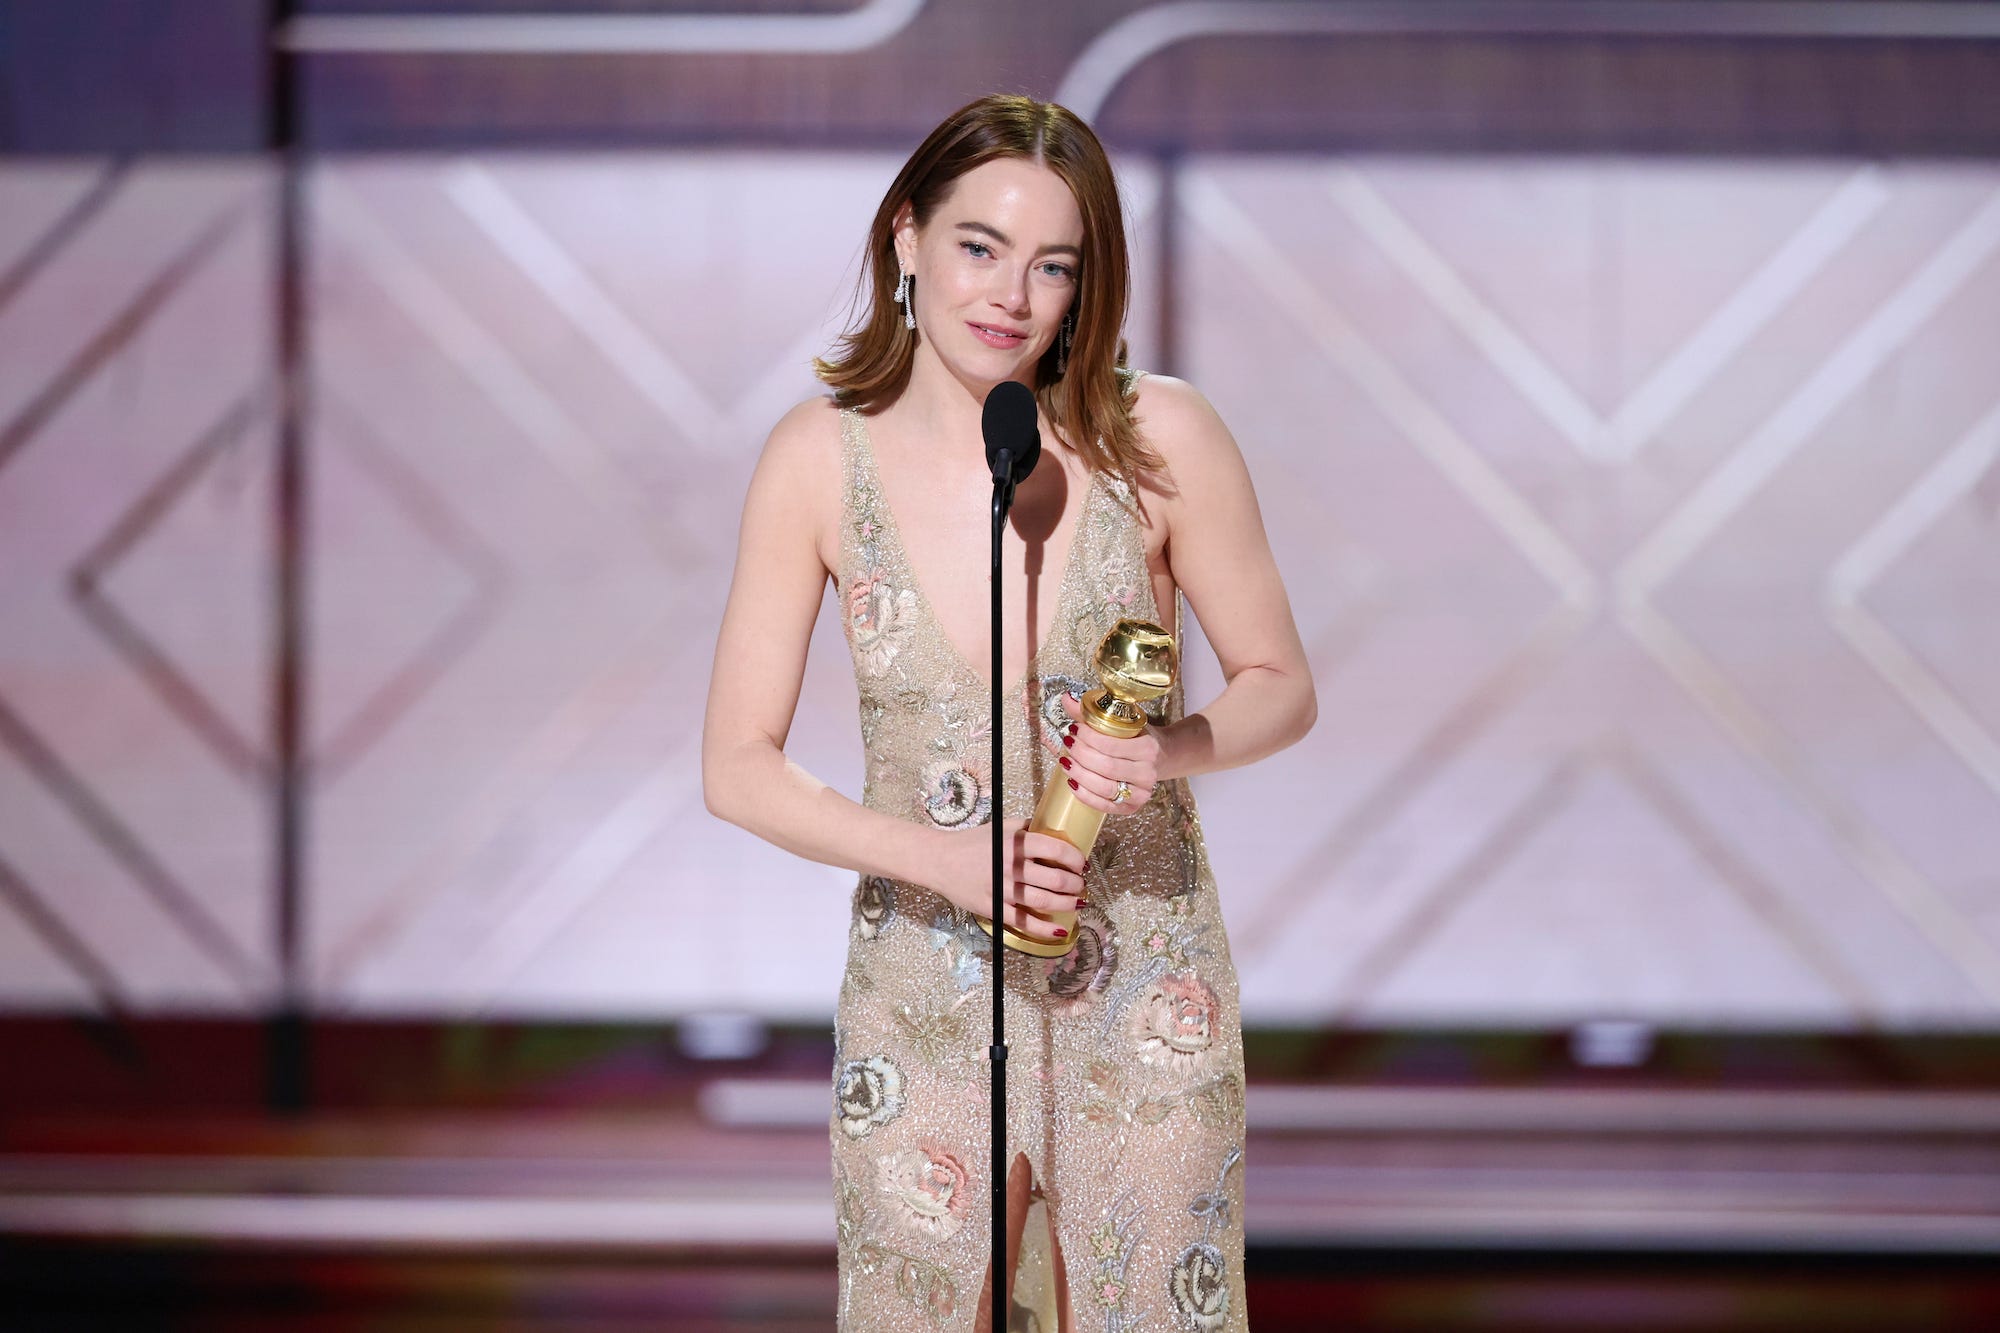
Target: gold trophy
1136 662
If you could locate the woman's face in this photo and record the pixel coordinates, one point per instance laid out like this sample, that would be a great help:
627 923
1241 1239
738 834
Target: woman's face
996 269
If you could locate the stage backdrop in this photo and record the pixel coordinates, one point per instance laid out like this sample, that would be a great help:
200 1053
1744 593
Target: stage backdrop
1618 381
1640 517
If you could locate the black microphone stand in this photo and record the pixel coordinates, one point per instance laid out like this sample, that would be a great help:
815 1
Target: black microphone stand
1003 500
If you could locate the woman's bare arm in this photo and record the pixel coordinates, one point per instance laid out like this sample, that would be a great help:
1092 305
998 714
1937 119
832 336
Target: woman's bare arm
760 659
1221 559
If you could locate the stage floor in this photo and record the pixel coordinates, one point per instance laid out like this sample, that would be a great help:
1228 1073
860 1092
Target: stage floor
1366 1208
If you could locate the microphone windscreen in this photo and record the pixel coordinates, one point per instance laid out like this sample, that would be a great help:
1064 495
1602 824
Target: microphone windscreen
1008 422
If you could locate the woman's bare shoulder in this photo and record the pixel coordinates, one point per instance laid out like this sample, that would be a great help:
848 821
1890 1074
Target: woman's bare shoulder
799 470
1183 428
808 431
801 455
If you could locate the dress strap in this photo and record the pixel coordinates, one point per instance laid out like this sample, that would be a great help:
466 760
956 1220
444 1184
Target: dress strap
852 442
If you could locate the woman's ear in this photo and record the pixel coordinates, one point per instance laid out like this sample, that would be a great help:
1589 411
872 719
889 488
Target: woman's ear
904 230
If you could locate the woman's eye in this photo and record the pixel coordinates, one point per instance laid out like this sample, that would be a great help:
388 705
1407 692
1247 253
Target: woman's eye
976 249
1058 270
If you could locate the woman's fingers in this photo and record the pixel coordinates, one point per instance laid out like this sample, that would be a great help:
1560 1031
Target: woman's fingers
1026 922
1048 848
1042 901
1042 875
1099 792
1086 786
1094 760
1043 872
1096 785
1051 879
1143 751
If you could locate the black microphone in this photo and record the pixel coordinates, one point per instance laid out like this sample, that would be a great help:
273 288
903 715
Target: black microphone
1013 438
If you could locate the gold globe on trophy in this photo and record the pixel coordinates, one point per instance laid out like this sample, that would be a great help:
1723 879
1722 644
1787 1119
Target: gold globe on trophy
1137 664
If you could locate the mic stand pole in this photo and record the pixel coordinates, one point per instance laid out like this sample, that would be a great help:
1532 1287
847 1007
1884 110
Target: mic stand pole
1003 499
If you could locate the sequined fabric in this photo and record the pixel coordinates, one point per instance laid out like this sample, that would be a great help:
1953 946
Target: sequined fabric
1126 1064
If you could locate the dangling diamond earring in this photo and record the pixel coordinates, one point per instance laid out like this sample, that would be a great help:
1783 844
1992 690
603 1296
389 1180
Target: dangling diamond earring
903 296
1062 343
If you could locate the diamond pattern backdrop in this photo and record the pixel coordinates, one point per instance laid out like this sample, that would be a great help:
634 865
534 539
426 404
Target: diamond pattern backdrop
1639 514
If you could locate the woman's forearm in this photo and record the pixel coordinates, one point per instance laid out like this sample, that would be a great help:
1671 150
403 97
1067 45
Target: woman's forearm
757 788
1261 711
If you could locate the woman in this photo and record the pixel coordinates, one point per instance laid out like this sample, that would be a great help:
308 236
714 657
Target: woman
999 254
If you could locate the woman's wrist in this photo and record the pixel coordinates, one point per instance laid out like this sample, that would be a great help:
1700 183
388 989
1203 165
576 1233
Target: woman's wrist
1182 745
914 854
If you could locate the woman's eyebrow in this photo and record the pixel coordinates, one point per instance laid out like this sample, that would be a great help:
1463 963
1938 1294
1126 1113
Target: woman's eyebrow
984 230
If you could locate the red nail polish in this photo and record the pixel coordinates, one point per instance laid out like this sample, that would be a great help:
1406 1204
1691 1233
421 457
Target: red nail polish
1065 761
1072 728
1069 740
1060 932
1072 784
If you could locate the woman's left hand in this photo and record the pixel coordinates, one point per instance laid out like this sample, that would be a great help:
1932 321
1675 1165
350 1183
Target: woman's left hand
1095 763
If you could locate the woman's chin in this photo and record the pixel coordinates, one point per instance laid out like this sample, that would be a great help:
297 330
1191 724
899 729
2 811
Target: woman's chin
987 368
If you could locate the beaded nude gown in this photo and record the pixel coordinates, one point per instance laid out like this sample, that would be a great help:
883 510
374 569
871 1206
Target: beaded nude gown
1125 1059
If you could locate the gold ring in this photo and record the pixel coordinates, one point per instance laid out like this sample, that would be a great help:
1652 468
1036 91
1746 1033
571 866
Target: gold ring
1124 790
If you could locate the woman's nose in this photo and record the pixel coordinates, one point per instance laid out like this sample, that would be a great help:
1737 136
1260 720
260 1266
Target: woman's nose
1011 289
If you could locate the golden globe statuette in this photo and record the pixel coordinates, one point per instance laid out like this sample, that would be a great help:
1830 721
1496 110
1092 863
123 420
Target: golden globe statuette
1137 664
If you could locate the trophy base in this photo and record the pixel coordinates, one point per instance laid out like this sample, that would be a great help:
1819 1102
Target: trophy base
1029 944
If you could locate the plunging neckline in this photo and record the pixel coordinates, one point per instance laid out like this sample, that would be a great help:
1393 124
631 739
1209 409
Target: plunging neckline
1031 669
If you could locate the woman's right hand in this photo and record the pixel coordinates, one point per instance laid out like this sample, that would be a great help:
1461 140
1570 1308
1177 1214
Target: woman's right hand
1040 873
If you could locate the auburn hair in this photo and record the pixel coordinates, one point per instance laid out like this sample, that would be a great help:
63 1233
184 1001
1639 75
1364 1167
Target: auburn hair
1089 402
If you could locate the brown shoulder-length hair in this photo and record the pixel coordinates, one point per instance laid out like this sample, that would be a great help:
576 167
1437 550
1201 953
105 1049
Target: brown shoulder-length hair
1089 403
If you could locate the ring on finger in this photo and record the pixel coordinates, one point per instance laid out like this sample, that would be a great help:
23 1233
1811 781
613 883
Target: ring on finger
1124 790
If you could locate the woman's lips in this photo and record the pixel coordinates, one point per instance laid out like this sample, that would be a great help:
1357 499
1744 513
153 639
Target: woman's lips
993 337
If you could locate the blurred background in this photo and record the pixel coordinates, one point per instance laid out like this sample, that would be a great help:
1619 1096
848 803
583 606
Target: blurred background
379 382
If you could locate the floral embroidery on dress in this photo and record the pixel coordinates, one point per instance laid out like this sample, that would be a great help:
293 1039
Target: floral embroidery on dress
1218 1102
1200 1286
1110 1107
848 1221
1199 1280
1120 581
924 1284
1171 1022
955 792
1111 1245
1054 720
1114 1104
965 717
1168 947
929 1188
880 617
847 1206
937 1033
871 719
874 901
1081 974
868 1093
966 948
